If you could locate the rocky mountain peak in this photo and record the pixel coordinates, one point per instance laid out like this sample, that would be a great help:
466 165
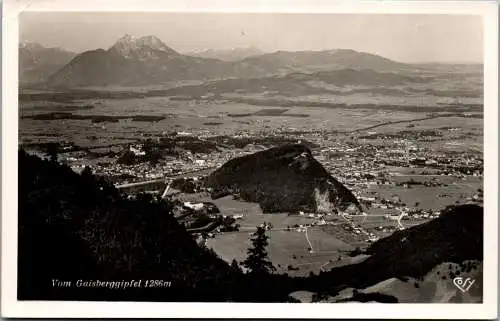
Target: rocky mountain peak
142 48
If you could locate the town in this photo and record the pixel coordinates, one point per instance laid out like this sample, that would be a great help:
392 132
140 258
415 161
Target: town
173 166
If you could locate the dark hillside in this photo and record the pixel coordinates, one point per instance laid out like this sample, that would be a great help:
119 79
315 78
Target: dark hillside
91 67
456 236
282 179
78 227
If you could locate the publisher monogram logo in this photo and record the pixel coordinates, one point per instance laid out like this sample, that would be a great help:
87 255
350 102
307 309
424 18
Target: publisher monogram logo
463 285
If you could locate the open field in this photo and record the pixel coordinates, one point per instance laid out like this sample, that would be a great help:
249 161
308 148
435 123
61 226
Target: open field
287 245
85 128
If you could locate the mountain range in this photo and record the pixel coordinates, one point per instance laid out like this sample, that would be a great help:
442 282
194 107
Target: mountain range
37 63
234 54
137 61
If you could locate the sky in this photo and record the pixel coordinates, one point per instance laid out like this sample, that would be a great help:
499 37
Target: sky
401 37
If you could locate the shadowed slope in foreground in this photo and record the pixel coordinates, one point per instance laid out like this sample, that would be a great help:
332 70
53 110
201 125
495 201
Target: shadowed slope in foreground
78 227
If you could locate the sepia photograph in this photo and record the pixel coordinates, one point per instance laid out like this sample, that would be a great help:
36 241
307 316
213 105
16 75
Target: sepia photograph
251 157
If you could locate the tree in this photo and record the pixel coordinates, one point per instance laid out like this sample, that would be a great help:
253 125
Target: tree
87 172
52 150
235 266
319 296
127 158
257 261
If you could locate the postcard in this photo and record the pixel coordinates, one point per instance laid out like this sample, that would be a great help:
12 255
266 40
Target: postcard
241 159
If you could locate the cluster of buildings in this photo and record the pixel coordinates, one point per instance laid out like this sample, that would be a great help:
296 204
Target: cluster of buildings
349 160
185 162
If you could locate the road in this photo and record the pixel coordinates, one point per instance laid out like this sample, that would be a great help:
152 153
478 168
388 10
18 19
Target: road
164 179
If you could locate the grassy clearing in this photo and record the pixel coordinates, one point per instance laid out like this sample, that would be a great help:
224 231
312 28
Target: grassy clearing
286 248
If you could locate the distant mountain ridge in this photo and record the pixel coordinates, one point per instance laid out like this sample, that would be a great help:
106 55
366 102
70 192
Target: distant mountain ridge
234 54
37 63
147 61
297 83
303 61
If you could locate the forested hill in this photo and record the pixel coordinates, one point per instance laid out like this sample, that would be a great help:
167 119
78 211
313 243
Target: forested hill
75 226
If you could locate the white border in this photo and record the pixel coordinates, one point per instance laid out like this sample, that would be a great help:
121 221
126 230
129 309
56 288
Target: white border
38 309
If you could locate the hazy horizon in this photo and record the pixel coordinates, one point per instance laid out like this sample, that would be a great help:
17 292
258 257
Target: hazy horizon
404 38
